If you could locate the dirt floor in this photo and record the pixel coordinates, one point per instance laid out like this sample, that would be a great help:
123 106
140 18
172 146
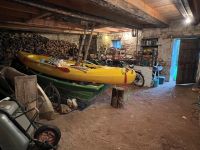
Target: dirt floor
153 119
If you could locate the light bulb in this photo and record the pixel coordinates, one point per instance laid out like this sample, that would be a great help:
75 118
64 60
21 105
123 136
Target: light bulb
188 20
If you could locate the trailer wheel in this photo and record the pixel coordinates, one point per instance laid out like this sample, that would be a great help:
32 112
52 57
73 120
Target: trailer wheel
53 95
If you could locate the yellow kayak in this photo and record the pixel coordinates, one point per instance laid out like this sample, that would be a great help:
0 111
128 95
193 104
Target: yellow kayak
86 72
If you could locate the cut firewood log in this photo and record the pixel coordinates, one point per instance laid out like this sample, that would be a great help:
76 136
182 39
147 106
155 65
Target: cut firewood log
117 100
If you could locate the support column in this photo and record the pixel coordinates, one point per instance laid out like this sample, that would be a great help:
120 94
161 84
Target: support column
81 47
88 46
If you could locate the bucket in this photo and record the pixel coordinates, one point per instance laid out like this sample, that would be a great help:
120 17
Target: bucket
155 82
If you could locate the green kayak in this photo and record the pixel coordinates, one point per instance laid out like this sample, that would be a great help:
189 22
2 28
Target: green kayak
70 89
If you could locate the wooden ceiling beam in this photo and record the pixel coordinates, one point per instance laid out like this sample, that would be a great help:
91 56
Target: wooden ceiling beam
111 29
99 9
18 7
140 4
81 16
36 28
32 29
117 29
40 25
54 23
184 8
10 18
11 9
39 16
195 7
15 14
136 9
101 31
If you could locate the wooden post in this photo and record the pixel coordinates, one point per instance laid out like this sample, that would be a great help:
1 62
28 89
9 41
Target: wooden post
26 92
81 46
117 100
88 46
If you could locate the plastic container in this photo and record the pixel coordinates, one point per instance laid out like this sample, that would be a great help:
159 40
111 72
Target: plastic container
155 82
161 79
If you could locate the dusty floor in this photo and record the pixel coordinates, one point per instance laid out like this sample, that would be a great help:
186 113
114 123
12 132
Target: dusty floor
153 119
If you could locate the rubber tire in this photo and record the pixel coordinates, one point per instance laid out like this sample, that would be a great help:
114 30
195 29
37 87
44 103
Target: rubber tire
141 76
44 128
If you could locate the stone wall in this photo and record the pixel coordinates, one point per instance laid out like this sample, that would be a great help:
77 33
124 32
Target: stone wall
104 41
166 36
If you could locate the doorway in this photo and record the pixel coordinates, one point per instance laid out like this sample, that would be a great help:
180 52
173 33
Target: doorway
185 58
174 62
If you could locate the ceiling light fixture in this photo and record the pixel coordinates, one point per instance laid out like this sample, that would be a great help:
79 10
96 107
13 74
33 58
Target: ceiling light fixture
134 32
188 20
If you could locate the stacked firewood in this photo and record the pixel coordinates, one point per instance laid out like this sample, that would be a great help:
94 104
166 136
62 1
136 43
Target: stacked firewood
10 43
60 49
13 42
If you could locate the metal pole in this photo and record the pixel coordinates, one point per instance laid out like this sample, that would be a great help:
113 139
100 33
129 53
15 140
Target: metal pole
88 46
136 42
81 47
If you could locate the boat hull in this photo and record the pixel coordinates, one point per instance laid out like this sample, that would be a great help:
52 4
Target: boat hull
87 73
72 90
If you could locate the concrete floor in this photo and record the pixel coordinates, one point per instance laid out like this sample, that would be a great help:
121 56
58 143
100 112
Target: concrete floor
153 119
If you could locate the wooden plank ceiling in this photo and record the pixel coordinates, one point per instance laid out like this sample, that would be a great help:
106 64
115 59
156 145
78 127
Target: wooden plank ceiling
167 8
73 15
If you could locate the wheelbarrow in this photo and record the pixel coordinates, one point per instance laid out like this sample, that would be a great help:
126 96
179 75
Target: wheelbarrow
19 132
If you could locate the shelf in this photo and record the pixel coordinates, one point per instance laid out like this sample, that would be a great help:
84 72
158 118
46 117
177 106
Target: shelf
150 38
149 46
147 57
149 51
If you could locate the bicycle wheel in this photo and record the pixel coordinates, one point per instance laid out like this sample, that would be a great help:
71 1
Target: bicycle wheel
139 80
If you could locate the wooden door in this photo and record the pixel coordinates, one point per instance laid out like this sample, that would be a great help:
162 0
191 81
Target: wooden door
188 61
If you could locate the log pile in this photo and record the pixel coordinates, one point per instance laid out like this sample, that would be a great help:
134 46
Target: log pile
10 43
60 48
